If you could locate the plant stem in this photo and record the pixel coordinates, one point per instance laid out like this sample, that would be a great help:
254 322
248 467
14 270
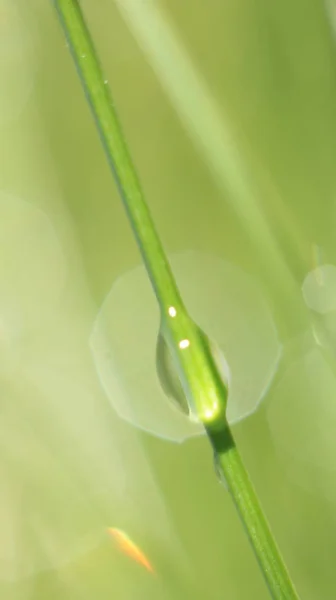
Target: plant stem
189 347
99 96
238 482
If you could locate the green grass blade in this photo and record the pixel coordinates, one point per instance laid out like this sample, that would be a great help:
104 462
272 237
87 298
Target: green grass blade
236 478
190 350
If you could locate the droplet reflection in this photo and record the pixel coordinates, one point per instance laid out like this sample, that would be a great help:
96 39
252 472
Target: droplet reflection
223 301
172 311
168 377
171 384
184 344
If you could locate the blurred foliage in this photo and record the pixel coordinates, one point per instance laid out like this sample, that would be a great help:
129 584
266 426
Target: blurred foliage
272 66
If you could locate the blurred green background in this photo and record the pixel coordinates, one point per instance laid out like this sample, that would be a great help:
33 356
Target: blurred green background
271 68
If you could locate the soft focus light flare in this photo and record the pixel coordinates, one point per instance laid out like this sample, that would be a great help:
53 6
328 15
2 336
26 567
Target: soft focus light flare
130 548
226 305
319 289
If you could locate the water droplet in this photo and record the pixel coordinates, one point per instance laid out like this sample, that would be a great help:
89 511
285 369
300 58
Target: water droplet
224 302
170 381
168 377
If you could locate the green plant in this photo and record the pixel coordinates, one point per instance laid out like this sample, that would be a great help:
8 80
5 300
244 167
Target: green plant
188 346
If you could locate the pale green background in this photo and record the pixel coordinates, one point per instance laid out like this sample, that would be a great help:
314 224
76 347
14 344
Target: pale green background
273 67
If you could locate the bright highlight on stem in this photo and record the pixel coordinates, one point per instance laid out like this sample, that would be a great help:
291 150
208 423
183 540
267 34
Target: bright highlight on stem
189 347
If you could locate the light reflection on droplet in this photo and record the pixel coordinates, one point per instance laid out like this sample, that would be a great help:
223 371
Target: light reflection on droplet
223 301
183 344
18 61
168 377
172 311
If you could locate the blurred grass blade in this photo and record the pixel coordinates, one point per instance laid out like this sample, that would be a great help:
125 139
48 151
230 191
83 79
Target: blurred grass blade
190 349
210 130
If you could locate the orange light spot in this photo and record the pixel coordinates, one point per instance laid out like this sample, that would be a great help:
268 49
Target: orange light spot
129 548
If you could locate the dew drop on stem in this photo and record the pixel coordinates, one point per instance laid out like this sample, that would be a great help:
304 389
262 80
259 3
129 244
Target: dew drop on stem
132 362
168 377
